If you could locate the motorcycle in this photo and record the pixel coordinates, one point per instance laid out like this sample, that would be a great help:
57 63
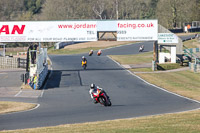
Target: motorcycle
102 98
91 53
84 64
141 48
99 52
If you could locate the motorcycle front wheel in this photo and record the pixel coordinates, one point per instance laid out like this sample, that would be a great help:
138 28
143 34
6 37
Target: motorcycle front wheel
102 100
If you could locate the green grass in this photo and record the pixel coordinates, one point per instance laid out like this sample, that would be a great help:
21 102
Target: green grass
8 107
168 66
141 70
185 83
11 53
170 123
194 43
69 52
82 50
134 59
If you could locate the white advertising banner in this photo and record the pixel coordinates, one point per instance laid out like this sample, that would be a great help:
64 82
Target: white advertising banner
48 31
167 38
137 30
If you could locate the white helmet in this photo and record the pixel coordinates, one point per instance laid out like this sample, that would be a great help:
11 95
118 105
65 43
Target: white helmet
92 86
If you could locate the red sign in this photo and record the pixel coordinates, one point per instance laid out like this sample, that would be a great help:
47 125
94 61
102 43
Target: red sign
6 29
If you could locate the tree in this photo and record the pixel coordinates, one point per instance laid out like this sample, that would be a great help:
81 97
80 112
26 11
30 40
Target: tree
172 13
33 6
152 9
98 8
10 10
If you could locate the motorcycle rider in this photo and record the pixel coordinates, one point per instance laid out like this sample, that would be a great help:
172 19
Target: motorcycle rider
83 60
93 89
91 52
99 52
141 48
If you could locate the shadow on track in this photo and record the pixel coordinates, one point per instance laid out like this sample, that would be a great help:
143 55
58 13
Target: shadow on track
54 80
71 77
91 69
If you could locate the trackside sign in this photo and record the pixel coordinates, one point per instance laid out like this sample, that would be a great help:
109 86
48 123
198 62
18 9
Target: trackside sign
62 31
167 38
48 31
137 30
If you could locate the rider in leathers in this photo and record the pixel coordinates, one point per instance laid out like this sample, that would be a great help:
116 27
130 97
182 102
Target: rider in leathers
84 59
93 89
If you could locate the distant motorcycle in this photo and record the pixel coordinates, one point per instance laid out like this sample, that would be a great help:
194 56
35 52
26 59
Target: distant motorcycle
102 98
99 52
91 53
84 64
141 49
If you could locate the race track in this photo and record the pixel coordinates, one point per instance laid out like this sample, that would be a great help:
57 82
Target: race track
66 98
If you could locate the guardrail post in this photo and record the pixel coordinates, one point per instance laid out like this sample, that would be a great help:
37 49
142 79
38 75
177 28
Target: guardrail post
195 67
154 66
190 65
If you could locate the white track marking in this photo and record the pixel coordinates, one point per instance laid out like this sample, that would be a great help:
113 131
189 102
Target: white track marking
41 95
18 93
155 85
37 106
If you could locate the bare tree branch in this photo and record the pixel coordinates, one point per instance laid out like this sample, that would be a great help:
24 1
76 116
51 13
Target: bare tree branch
99 8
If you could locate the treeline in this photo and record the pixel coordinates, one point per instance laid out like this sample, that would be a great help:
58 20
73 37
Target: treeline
170 13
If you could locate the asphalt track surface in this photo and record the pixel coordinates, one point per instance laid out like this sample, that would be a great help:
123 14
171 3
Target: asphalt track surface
66 98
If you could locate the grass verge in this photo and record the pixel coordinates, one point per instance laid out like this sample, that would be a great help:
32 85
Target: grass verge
86 47
194 43
72 51
8 107
168 123
134 59
185 83
168 66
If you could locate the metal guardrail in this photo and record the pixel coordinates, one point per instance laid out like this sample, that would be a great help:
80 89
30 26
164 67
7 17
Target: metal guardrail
191 54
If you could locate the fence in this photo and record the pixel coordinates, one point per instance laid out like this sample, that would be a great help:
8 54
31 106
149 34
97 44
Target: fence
2 53
8 62
22 63
11 63
191 50
194 67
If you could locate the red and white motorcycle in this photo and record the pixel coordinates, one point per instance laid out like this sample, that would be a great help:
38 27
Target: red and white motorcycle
102 98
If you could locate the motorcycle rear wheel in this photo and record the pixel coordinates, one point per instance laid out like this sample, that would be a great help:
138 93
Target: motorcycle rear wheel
109 102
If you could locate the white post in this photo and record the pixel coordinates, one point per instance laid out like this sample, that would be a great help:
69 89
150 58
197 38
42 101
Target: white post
173 54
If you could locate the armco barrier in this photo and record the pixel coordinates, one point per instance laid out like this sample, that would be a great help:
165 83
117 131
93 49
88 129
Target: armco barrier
42 76
39 69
